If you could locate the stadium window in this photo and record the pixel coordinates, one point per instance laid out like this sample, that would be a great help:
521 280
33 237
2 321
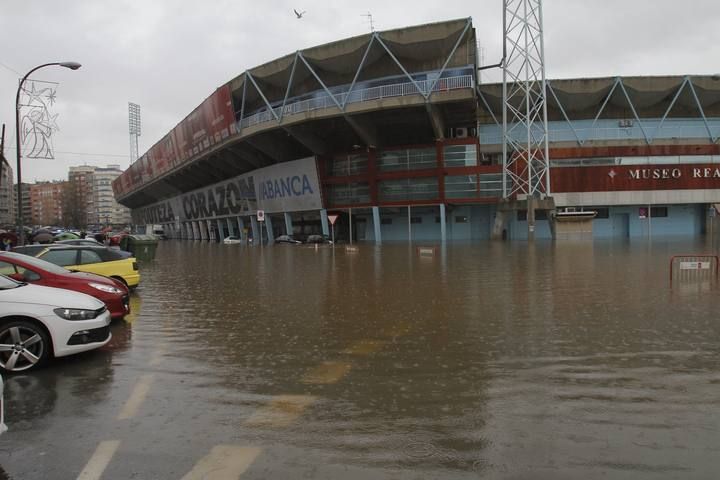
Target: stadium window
437 219
415 219
658 212
602 212
386 221
461 219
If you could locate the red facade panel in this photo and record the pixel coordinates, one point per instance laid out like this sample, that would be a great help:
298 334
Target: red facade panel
634 177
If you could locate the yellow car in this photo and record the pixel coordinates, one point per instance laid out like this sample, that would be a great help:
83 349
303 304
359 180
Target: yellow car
100 260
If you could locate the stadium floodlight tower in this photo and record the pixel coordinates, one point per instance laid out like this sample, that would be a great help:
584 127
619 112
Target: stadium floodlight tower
526 165
134 123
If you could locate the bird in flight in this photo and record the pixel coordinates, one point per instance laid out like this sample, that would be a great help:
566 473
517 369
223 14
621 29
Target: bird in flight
299 14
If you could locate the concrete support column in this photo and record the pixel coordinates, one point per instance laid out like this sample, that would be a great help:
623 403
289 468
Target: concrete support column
221 228
498 225
202 227
376 224
208 230
269 230
231 227
443 223
324 222
257 238
241 229
288 224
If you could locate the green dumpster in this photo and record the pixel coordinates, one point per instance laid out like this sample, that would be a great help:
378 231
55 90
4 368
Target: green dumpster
141 246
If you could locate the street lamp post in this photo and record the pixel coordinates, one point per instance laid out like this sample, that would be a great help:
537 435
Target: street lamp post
71 66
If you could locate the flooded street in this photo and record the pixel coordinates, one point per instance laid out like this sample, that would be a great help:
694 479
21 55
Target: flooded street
484 361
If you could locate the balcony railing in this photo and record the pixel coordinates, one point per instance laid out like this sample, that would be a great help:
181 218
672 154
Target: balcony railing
323 100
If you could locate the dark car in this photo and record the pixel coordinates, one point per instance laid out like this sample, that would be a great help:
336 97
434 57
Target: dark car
23 268
30 250
318 239
286 239
86 242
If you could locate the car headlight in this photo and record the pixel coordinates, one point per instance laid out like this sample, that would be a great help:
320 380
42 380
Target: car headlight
105 288
75 313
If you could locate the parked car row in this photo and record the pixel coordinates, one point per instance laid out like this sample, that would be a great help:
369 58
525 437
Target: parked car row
233 240
59 300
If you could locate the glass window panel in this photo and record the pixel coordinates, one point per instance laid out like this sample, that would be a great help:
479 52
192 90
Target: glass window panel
408 189
349 165
348 194
410 159
461 186
61 257
88 256
460 155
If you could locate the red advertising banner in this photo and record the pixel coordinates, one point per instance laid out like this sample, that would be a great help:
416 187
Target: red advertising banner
209 124
163 154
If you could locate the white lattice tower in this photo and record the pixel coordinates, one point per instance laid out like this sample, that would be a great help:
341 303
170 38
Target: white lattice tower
525 146
134 129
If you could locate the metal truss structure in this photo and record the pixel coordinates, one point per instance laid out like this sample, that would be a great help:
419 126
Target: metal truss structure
682 98
134 129
525 133
341 99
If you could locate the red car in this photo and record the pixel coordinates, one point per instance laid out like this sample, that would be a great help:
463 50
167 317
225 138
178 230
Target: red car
24 268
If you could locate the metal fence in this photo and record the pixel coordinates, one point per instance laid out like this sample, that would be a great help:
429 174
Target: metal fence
694 268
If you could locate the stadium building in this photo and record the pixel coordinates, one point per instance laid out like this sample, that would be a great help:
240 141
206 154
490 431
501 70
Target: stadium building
393 132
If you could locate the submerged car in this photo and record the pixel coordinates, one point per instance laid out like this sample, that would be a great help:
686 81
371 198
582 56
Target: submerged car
38 323
23 268
101 260
286 239
318 239
231 240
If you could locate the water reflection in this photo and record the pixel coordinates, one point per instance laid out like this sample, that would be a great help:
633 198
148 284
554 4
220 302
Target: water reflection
498 359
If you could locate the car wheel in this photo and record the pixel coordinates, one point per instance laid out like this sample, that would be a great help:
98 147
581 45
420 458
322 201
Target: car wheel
23 346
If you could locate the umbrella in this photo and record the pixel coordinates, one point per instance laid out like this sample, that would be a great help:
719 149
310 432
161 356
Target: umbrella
43 237
66 236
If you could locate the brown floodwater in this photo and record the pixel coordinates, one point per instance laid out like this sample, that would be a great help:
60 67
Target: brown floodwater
497 360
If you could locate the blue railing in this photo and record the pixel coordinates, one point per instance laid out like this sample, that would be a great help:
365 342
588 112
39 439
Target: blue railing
323 100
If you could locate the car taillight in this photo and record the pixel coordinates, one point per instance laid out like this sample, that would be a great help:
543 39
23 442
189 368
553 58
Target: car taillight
135 267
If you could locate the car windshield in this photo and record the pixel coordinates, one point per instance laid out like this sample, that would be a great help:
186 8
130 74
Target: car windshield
39 263
7 283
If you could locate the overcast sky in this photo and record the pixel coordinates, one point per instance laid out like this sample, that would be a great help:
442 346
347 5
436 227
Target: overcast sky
168 56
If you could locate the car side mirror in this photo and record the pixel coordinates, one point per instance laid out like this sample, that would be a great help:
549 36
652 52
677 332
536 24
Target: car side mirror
30 276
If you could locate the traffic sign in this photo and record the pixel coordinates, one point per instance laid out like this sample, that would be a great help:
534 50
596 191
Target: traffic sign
332 217
261 215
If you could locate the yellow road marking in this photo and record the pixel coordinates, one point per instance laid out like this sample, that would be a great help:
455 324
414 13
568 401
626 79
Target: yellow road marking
282 411
100 460
158 354
224 462
142 387
327 372
365 347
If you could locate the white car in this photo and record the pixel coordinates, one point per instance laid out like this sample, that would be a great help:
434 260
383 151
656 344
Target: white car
3 427
232 240
37 323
